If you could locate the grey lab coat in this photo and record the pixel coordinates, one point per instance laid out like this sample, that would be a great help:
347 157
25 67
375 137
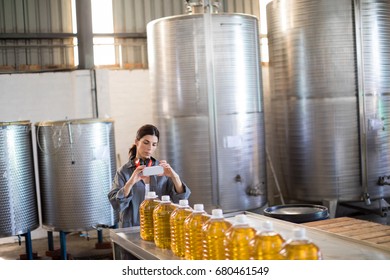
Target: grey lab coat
128 207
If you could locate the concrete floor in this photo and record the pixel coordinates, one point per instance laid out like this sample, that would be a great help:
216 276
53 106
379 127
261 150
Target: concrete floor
78 247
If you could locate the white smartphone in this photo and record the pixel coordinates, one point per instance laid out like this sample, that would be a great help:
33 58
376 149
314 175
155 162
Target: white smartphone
152 170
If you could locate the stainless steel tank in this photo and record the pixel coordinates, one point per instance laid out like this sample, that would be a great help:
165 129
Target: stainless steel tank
330 84
18 198
76 168
205 78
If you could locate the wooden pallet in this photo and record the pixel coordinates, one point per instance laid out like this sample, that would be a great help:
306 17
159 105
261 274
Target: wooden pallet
357 229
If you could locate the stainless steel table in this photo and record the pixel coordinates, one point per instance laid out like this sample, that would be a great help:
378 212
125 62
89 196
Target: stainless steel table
127 243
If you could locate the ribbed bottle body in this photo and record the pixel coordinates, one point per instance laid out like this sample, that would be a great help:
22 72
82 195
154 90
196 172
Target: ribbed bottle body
177 230
301 250
267 246
146 219
237 242
193 235
213 232
162 228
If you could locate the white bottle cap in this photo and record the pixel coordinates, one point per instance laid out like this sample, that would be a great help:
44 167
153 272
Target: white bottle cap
216 213
198 208
299 233
268 226
183 202
241 219
165 198
151 195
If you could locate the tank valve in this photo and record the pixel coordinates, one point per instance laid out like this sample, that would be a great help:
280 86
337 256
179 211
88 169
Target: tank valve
238 178
366 197
384 180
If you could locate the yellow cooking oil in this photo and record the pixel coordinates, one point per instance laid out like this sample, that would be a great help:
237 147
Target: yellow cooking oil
177 227
237 239
193 233
161 216
267 243
213 232
146 216
300 247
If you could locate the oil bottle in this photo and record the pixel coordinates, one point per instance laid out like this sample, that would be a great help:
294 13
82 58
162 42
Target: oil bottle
177 227
162 229
146 216
213 232
237 239
300 247
193 233
267 243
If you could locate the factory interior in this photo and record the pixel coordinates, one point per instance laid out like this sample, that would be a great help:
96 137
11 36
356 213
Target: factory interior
269 108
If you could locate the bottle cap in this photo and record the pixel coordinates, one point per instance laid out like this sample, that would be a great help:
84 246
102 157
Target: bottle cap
151 195
241 219
183 202
198 208
299 233
216 213
268 226
165 198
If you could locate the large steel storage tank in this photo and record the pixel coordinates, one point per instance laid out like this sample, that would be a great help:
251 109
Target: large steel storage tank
76 168
330 84
205 78
18 198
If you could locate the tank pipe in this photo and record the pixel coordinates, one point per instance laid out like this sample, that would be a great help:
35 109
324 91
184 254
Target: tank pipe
275 177
361 101
211 105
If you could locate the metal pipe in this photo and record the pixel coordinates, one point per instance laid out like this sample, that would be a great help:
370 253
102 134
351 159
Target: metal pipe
361 101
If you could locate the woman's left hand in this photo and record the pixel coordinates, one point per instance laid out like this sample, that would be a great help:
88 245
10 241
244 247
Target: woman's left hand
168 170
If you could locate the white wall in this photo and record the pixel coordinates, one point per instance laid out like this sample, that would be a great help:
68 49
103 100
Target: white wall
122 95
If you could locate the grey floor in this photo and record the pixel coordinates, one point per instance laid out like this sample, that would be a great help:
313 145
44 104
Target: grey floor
78 247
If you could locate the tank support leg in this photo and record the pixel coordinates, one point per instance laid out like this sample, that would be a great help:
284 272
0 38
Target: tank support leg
63 245
50 241
29 253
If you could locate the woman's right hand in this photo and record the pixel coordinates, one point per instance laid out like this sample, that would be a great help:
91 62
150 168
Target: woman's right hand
135 177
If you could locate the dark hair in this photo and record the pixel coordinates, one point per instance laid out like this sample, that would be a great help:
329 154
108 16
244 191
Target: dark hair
147 129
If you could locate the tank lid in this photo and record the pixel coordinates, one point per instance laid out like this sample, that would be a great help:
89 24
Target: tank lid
73 121
25 122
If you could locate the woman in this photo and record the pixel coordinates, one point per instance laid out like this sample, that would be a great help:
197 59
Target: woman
129 186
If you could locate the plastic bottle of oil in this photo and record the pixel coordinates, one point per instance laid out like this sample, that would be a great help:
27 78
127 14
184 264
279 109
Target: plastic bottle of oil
177 227
193 233
146 216
213 235
300 247
267 243
161 216
237 239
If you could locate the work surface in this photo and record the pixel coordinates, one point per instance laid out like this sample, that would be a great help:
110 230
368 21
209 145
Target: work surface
366 231
333 246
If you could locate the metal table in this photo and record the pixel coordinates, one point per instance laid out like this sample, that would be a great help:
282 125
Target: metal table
127 243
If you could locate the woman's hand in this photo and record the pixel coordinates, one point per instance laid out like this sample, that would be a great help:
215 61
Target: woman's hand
169 172
135 177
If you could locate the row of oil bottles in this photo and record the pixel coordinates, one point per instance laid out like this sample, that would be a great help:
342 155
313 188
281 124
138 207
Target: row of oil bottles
194 235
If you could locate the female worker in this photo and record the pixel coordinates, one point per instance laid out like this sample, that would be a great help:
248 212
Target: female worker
130 186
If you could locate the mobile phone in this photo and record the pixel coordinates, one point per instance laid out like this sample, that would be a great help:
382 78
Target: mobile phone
152 170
